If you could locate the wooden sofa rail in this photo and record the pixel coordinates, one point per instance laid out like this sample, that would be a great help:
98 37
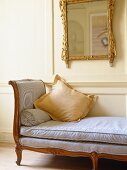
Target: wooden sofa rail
93 156
19 148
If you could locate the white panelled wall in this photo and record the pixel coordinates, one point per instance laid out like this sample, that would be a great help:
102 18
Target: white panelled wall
30 47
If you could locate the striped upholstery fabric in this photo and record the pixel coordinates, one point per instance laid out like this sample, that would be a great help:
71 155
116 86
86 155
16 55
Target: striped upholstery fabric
29 91
90 129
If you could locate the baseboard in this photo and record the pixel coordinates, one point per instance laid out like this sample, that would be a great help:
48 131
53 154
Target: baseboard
6 137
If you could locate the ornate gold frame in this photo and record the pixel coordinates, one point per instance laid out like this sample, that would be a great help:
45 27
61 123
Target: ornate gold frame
65 50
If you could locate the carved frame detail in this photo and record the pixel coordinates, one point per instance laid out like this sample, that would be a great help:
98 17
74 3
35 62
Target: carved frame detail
65 47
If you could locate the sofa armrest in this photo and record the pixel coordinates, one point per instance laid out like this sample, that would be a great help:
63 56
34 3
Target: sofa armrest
25 93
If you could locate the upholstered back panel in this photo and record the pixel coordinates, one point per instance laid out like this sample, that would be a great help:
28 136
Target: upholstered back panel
29 91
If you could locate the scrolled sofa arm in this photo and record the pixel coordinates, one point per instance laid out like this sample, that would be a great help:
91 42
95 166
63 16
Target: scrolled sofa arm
25 93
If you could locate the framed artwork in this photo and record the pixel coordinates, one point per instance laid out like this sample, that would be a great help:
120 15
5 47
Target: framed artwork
99 42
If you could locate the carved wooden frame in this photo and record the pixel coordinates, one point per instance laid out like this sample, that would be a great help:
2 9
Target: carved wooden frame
65 49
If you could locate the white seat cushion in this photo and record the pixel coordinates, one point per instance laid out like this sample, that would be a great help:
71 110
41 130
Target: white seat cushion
90 129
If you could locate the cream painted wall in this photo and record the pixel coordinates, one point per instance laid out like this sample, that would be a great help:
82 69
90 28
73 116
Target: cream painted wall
27 51
23 38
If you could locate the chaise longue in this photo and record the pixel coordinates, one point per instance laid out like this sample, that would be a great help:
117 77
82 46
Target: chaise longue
93 137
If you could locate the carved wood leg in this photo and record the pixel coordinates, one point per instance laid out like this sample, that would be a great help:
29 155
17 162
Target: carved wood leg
94 158
18 151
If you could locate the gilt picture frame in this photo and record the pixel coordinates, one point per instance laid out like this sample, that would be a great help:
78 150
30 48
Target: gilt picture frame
111 40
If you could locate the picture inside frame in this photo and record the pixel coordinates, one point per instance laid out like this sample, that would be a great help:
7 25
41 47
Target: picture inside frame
99 34
85 26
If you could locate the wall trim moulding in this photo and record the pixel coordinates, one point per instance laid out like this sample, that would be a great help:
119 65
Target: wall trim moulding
99 84
48 37
106 78
96 84
99 88
5 88
4 84
97 78
6 137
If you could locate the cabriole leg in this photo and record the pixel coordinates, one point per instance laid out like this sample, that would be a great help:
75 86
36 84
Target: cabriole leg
18 151
94 158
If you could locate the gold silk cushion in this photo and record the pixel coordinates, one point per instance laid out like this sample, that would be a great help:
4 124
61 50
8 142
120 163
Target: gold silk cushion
63 103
